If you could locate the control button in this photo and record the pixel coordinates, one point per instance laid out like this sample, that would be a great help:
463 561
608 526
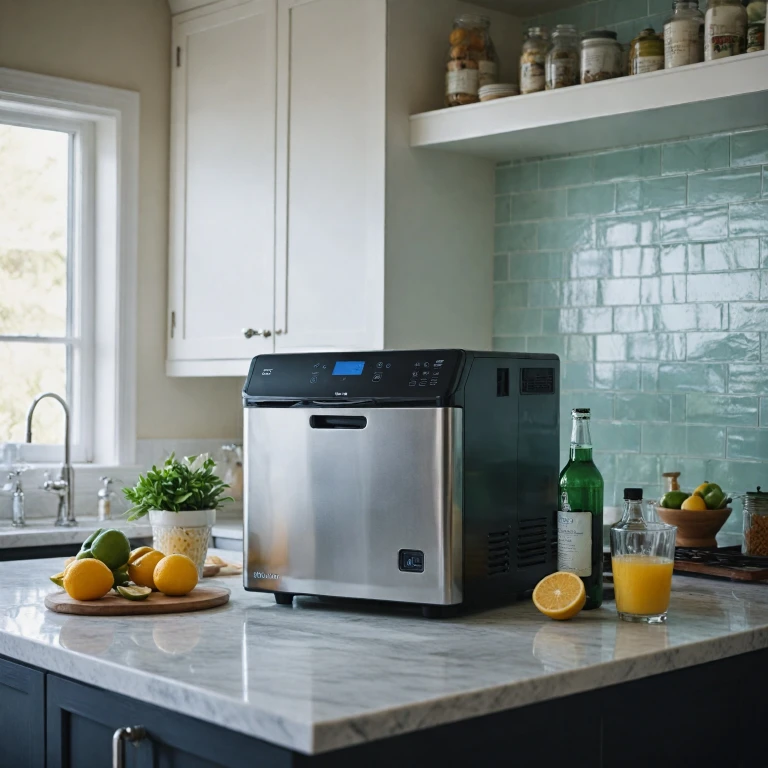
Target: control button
439 362
316 365
432 383
417 365
376 377
426 365
411 560
411 383
313 380
423 383
415 375
379 364
425 373
389 365
324 367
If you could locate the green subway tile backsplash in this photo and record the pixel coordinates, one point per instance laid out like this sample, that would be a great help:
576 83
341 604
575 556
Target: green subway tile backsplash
646 269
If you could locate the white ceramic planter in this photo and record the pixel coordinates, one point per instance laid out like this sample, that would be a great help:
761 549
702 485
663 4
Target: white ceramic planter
186 533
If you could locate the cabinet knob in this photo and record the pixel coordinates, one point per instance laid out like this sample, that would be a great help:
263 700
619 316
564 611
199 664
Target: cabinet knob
267 334
249 333
132 734
279 332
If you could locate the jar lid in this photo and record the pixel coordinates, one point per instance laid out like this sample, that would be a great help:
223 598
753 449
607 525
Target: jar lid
498 88
538 32
565 29
605 34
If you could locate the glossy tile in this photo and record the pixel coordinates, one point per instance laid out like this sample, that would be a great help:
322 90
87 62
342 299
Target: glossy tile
673 258
578 376
619 436
633 319
554 345
633 163
509 321
599 403
724 347
500 268
501 210
566 235
748 380
510 295
690 317
517 178
737 476
631 229
691 377
509 344
566 172
580 347
764 411
611 347
579 293
638 468
749 444
726 255
682 440
615 11
646 194
694 224
764 247
617 376
634 262
669 289
544 293
514 237
545 204
649 377
749 219
702 154
723 410
579 321
536 266
724 286
642 407
592 201
650 347
591 263
724 186
764 285
619 291
749 148
749 317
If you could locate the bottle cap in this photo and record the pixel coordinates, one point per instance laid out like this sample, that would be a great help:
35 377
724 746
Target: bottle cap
581 410
633 494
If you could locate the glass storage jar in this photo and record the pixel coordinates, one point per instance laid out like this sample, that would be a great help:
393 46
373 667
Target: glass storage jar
533 60
471 61
725 29
601 56
755 523
684 35
646 53
756 37
563 58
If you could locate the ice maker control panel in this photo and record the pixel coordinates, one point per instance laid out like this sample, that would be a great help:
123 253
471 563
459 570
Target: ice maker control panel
355 375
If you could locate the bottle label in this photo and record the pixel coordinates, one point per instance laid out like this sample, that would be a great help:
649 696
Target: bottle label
574 542
725 33
644 64
462 81
683 43
532 76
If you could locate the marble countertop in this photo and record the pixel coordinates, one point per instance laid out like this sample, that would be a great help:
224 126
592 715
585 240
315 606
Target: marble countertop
321 676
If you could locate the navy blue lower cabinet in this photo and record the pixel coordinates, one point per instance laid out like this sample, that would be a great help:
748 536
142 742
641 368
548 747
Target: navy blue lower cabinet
22 716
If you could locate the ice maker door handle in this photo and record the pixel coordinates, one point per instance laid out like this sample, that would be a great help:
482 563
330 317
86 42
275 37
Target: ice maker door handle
317 421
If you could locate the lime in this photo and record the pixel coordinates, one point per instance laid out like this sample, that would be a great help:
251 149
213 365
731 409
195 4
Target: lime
58 579
120 576
112 548
134 593
87 543
83 554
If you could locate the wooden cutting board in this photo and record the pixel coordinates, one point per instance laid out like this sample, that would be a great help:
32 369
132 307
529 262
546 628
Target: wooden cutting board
199 599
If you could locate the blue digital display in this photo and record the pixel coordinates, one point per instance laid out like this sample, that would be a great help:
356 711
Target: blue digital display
348 368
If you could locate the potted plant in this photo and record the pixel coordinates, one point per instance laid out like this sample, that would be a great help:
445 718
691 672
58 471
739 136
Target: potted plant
181 499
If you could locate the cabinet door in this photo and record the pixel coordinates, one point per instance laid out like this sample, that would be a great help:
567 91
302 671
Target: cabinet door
222 182
22 714
330 178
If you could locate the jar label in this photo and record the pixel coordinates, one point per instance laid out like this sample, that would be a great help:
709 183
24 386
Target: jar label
725 32
600 63
683 43
574 542
722 46
532 76
462 81
645 64
487 70
755 38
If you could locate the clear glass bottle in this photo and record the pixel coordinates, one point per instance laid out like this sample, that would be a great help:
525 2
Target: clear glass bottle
725 29
472 60
533 60
580 518
646 53
601 56
563 58
684 35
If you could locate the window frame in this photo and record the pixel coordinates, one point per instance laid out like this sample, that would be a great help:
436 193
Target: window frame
104 176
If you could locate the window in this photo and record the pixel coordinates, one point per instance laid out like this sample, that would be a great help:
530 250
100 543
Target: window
68 242
46 316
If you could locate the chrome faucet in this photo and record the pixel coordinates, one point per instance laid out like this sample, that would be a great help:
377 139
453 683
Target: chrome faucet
64 485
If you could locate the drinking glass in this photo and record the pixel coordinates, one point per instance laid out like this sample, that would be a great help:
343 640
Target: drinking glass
642 562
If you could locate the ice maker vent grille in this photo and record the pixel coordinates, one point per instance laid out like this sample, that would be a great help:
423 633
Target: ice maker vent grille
499 550
532 543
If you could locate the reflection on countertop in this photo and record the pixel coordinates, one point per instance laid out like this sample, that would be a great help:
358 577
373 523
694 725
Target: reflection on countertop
325 675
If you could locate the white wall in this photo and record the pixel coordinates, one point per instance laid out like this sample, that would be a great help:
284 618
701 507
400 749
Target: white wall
126 44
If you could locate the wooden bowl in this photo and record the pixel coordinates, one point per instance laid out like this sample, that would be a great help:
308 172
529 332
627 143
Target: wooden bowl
695 529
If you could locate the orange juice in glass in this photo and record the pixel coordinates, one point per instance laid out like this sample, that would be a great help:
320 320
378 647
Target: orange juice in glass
642 558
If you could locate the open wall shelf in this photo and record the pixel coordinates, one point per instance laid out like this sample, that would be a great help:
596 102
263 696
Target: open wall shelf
711 97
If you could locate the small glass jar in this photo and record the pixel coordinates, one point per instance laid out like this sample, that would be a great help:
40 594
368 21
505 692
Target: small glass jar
646 53
563 58
755 523
601 56
725 29
756 37
471 61
684 35
533 60
670 481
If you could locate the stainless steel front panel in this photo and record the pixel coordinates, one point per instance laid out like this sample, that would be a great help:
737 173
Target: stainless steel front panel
328 510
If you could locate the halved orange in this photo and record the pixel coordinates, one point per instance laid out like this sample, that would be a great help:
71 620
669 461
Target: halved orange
560 595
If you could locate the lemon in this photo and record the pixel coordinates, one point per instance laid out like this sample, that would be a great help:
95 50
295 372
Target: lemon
702 489
87 579
134 593
175 575
142 569
694 504
137 553
560 595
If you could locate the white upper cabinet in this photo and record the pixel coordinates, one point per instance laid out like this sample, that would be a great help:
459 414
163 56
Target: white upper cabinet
222 186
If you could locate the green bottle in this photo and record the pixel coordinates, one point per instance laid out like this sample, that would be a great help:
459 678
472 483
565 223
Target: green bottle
580 519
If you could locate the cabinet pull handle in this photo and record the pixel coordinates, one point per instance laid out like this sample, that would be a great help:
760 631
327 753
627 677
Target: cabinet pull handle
279 332
267 334
249 333
131 733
